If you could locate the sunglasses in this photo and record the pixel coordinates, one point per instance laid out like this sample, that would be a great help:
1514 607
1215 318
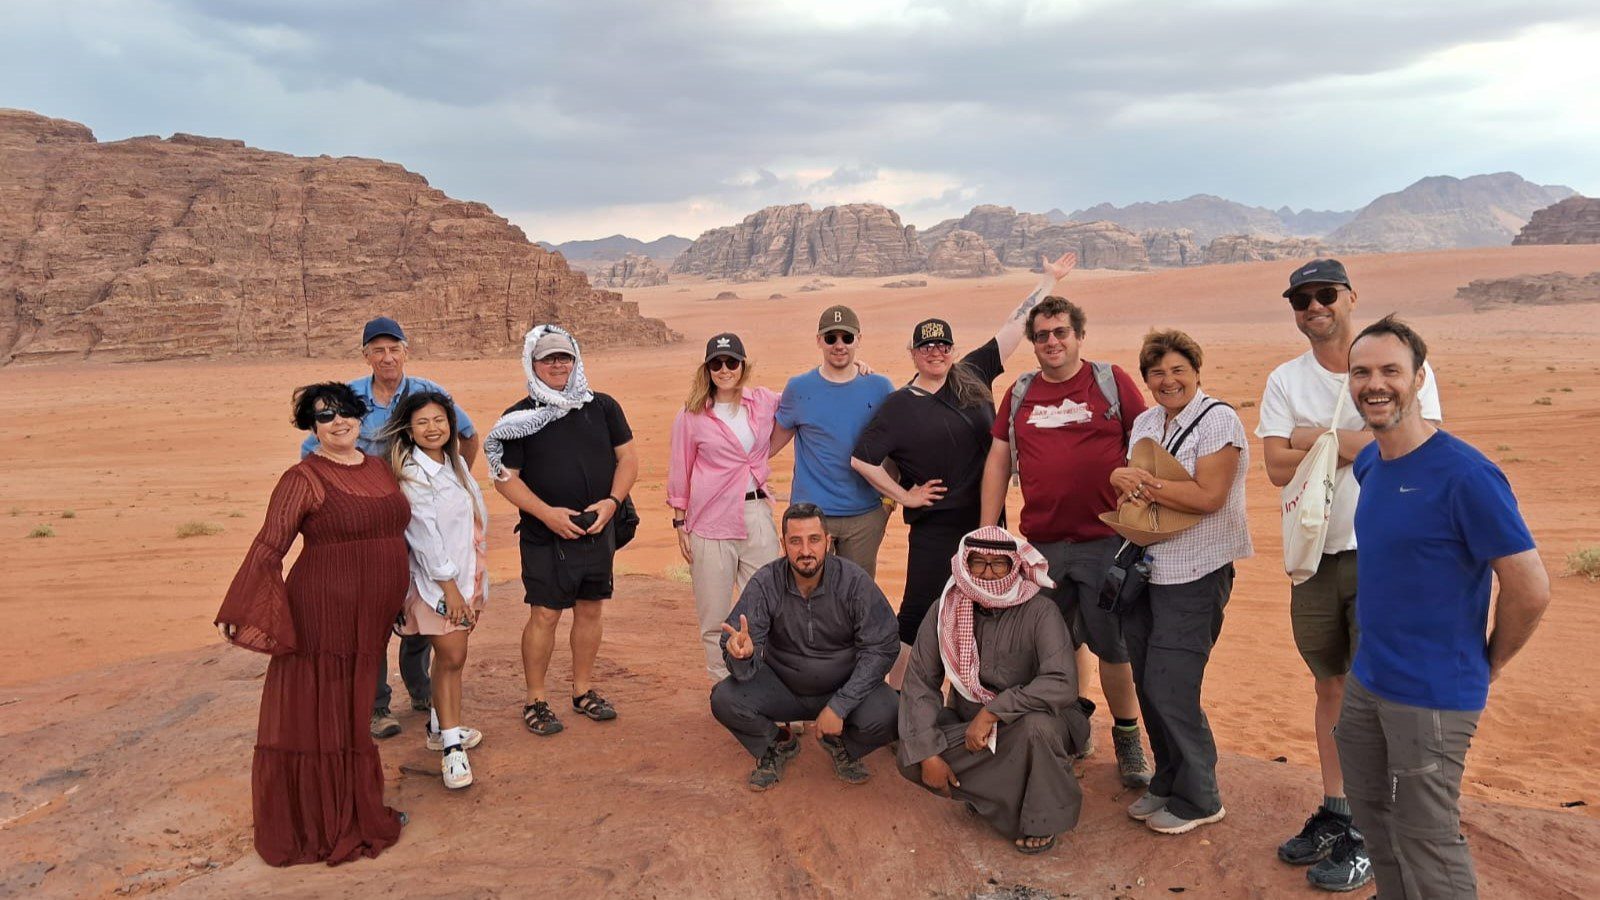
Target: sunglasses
329 413
834 337
937 348
718 363
998 567
1301 300
1061 334
556 359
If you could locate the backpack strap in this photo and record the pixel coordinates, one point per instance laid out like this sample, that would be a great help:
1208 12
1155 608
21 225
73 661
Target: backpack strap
1182 436
1106 380
1018 391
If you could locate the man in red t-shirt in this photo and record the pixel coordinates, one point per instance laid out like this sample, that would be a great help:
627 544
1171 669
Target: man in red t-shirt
1068 439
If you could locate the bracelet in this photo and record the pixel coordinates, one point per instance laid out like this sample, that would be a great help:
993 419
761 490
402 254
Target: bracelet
614 500
677 523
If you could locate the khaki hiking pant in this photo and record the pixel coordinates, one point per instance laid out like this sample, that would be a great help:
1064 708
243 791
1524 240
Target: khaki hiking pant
719 572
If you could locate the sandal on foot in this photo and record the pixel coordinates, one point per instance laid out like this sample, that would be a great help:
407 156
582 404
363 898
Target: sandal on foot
594 706
1039 848
540 719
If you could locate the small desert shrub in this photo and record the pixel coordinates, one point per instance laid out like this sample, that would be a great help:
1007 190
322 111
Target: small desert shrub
236 515
41 531
1502 447
1566 390
1543 401
69 514
678 573
1247 404
1585 562
198 529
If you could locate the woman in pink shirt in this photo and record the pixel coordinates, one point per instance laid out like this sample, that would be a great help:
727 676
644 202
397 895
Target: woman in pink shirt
717 486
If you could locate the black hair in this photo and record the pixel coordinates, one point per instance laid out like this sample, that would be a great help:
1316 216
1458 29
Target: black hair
332 394
1401 332
803 511
397 431
1053 306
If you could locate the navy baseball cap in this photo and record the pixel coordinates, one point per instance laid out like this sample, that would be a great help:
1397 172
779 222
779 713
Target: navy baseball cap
1318 271
382 326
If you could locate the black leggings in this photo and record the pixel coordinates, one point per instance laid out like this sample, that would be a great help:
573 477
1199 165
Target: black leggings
933 541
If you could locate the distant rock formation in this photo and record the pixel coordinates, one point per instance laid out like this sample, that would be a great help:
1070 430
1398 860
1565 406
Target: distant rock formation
1531 290
1019 239
615 247
193 247
1205 215
815 284
1441 212
631 271
1239 248
1575 220
860 239
906 283
1172 248
963 254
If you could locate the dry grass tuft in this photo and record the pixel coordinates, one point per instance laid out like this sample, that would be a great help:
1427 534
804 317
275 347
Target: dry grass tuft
1585 562
198 529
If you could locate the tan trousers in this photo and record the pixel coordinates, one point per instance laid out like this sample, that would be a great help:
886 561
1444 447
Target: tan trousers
719 572
857 538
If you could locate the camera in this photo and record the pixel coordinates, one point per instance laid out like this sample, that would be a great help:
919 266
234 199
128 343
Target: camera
1127 578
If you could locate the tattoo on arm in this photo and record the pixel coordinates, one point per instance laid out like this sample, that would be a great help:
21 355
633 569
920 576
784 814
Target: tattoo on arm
1029 302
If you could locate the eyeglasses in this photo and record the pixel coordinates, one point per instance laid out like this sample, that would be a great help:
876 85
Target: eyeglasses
328 413
937 348
1301 300
556 359
1061 334
718 363
995 566
834 337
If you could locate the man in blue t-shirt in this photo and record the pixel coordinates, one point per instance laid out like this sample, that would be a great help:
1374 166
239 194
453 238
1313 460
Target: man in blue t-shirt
825 411
1434 520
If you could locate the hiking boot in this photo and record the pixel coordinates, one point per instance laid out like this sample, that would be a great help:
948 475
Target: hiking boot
384 724
1346 867
1315 839
1131 764
769 769
850 771
455 768
1168 822
470 737
1146 806
422 705
1087 749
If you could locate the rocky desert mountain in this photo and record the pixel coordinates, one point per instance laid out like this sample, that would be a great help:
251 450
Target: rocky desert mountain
192 247
963 254
1240 248
1575 220
1173 248
1018 239
862 239
1549 289
1441 212
615 247
631 271
1210 217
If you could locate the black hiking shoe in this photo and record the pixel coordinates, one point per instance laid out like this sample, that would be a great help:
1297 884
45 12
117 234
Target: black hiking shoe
1315 840
1347 866
770 767
850 771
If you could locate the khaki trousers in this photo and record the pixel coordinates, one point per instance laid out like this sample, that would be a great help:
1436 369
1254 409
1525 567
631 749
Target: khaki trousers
857 538
719 572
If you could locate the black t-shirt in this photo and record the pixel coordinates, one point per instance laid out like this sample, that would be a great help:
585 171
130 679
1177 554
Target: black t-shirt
927 436
569 462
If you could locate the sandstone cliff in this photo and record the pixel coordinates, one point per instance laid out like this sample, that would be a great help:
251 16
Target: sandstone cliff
1172 248
1531 290
859 239
1441 212
190 247
1575 220
963 254
1018 239
1239 248
630 272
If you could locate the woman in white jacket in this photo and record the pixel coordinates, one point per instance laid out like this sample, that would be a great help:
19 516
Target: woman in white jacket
449 571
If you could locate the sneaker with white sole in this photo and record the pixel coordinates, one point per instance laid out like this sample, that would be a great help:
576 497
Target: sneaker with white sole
1146 806
1346 866
470 737
456 770
1168 822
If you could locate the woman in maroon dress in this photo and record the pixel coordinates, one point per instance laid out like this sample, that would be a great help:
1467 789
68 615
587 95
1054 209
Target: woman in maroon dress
317 781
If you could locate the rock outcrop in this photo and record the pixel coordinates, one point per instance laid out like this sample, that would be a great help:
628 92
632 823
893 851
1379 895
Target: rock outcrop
859 239
1205 215
1549 289
1018 239
1575 220
630 272
193 247
963 254
1239 248
1172 248
1441 212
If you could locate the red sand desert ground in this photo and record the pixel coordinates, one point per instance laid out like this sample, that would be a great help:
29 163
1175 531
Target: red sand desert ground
130 727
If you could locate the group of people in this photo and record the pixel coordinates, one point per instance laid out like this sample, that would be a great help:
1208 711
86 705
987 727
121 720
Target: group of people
1122 558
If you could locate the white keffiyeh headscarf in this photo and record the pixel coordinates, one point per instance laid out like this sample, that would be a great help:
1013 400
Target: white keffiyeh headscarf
553 404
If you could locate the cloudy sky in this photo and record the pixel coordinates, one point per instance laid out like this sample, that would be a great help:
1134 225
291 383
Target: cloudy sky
583 118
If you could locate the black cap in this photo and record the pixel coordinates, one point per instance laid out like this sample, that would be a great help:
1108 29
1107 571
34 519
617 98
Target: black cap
1318 271
382 326
725 344
932 331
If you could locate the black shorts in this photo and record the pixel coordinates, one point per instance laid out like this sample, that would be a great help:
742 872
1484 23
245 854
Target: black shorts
560 573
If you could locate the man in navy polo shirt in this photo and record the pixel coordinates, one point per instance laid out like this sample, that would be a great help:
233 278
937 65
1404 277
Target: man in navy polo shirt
1434 521
383 345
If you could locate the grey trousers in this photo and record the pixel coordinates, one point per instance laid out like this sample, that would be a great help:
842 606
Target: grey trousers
749 709
416 653
857 538
1170 632
1402 772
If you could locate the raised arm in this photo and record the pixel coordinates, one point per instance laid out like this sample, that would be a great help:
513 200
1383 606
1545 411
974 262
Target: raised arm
1010 333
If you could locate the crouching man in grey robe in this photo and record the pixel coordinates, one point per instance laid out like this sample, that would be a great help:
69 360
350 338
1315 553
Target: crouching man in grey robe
1005 739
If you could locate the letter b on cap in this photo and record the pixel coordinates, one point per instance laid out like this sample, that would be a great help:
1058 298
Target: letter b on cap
838 316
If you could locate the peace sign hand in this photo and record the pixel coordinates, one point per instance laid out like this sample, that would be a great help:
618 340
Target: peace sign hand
740 646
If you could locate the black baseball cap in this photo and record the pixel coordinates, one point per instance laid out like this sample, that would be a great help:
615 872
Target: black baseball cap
1318 271
725 344
382 326
932 331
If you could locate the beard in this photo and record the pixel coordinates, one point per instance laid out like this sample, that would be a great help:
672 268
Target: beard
805 566
1399 407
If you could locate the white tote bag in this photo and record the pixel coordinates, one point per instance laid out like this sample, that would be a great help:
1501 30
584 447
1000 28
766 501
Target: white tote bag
1308 501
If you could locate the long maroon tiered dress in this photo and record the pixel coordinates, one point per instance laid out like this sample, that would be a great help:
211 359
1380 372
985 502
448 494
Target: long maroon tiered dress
317 781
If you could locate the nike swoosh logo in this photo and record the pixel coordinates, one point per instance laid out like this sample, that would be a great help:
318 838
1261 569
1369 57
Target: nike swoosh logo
1406 490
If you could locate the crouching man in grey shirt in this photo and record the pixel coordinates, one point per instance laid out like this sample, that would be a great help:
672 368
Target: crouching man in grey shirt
811 638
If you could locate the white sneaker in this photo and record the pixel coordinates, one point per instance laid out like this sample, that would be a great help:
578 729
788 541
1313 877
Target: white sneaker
456 770
472 737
